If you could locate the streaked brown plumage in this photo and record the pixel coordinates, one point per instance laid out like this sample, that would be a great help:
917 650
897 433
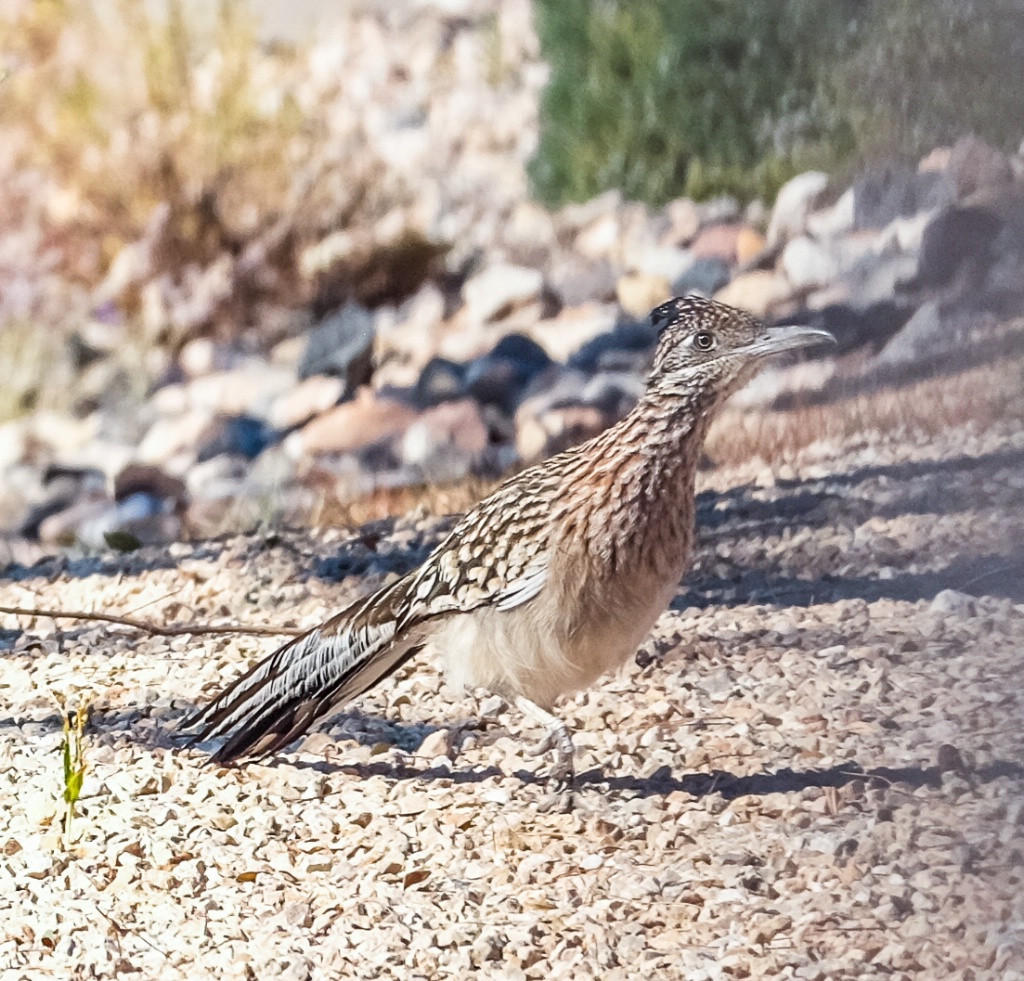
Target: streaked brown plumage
553 580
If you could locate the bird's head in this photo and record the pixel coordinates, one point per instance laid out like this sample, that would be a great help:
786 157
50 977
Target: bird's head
708 346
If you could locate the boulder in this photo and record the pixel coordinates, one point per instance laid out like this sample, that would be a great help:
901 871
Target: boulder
639 293
920 336
447 441
796 199
565 333
836 220
665 261
219 477
309 398
630 343
249 389
718 241
139 478
578 280
881 196
98 522
750 245
440 380
957 243
171 435
352 426
684 222
239 435
705 276
757 291
499 377
600 239
975 165
499 289
538 437
857 325
807 262
341 345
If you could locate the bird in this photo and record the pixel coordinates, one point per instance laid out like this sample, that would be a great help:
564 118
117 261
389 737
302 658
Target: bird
551 581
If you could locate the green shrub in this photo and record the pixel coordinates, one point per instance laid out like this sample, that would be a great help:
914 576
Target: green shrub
673 97
701 97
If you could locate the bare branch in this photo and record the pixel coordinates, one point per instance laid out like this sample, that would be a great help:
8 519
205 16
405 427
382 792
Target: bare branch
172 630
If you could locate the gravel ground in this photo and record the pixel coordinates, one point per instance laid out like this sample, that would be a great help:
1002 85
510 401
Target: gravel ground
813 770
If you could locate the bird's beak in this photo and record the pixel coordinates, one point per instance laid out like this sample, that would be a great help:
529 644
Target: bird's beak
779 339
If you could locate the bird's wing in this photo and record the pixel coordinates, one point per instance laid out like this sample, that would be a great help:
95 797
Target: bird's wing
496 555
523 589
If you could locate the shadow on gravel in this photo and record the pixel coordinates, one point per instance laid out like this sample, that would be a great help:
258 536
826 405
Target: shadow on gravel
373 730
111 564
787 780
823 501
998 575
663 782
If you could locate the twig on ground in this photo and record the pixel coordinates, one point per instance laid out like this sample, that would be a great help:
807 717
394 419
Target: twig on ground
172 630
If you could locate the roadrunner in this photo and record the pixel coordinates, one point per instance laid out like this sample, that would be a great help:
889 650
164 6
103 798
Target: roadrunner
548 583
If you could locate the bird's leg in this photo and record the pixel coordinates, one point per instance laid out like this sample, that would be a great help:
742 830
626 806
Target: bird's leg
558 738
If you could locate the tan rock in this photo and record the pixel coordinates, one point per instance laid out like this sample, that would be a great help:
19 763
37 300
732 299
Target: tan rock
975 164
718 241
62 433
13 442
749 245
638 293
557 429
450 425
500 289
685 218
600 239
62 527
246 389
935 160
757 291
172 434
310 397
796 199
567 332
354 425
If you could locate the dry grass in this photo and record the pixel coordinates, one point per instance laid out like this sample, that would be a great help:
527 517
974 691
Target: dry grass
171 108
119 108
333 511
983 396
37 371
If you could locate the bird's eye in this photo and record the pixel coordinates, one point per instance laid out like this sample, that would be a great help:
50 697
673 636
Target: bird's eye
704 340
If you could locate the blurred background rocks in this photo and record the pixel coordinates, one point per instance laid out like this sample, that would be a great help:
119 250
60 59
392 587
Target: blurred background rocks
250 276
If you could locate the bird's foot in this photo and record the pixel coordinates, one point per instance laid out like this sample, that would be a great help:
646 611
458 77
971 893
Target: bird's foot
562 775
563 772
560 778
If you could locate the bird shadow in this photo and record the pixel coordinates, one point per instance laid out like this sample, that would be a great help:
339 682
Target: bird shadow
787 780
367 730
663 782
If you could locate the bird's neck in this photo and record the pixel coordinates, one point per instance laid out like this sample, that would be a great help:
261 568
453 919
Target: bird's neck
642 475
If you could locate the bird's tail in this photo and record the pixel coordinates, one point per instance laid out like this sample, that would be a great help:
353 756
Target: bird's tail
281 696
